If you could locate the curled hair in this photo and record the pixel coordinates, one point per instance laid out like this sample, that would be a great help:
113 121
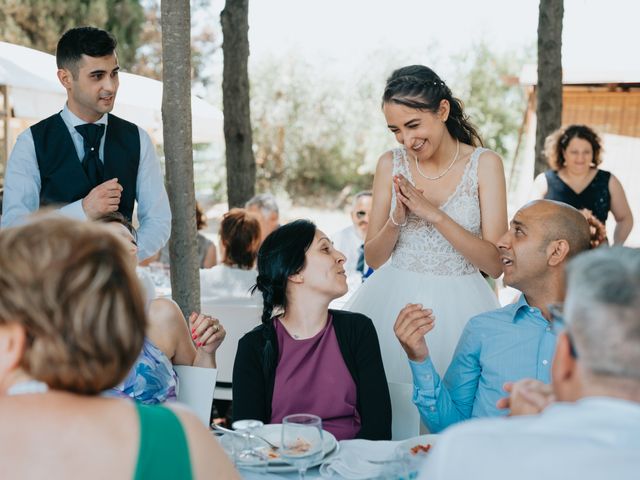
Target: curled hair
420 88
556 144
72 287
281 255
79 41
240 237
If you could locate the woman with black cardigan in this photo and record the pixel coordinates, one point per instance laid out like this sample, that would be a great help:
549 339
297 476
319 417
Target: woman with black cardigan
305 358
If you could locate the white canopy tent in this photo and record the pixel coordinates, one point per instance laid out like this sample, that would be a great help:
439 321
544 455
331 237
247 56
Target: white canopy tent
34 93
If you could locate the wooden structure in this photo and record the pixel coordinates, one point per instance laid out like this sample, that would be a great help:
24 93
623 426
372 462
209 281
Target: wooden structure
607 101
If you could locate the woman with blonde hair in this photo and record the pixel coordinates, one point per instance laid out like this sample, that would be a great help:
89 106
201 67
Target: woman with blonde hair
72 322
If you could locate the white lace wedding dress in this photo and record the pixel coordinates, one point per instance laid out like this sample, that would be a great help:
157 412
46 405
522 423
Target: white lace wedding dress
425 268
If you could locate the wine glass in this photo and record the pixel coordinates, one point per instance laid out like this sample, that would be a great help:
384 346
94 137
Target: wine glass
246 455
301 441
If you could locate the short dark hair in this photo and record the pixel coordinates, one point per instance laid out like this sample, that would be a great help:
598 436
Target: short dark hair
117 217
79 41
282 254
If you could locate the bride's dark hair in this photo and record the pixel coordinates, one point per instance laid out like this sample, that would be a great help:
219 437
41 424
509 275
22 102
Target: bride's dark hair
281 255
419 87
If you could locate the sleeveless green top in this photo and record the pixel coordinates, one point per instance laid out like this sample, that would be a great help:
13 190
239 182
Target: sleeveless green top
164 452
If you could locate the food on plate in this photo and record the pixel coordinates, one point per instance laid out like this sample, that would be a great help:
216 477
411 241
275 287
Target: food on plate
420 449
272 454
299 446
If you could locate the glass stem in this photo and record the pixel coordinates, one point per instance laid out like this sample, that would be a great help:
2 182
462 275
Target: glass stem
301 473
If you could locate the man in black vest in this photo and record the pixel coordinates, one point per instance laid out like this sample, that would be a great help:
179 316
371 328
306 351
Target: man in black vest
84 160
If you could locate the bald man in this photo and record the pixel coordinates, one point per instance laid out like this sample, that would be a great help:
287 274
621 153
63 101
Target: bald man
506 344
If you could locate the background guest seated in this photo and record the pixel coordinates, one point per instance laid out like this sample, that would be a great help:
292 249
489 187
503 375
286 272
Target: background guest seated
233 279
593 430
350 241
266 208
307 358
506 344
72 322
168 341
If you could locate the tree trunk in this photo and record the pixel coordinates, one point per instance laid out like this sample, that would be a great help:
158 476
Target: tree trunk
241 165
549 88
176 127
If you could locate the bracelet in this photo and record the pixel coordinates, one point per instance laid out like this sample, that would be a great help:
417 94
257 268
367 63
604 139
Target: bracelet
394 222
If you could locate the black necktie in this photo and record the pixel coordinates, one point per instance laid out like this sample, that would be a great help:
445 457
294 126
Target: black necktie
93 167
360 263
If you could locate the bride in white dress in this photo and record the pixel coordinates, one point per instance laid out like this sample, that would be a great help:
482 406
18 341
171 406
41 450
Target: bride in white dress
439 206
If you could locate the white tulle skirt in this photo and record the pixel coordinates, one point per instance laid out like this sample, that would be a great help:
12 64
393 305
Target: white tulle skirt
453 299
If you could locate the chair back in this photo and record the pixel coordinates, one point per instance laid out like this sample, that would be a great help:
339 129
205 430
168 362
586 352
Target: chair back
237 319
405 417
195 389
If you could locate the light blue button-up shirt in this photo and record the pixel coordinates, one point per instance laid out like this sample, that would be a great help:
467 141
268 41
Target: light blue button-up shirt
499 346
22 186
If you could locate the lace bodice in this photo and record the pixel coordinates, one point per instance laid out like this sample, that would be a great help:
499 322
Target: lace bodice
420 247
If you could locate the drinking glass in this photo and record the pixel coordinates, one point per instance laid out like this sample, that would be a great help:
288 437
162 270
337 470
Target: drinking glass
246 453
301 443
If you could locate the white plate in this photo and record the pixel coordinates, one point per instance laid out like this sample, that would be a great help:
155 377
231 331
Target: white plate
273 433
406 445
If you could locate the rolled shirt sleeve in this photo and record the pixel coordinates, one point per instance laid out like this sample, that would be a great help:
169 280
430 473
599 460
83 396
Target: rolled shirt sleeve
444 403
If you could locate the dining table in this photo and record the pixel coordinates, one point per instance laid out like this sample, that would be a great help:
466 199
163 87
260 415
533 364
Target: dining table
358 460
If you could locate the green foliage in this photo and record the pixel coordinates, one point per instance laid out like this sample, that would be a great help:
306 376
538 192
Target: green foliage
148 58
124 21
487 83
318 131
40 23
305 141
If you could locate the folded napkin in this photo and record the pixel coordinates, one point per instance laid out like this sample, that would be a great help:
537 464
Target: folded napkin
351 462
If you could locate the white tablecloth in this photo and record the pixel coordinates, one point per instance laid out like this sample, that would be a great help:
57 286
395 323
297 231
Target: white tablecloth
360 450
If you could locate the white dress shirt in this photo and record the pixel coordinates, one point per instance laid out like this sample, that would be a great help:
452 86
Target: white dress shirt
225 284
348 242
594 438
22 186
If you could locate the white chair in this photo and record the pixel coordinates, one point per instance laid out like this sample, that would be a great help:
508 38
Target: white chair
237 320
405 416
195 389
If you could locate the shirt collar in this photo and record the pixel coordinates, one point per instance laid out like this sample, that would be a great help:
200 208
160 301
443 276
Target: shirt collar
72 119
519 306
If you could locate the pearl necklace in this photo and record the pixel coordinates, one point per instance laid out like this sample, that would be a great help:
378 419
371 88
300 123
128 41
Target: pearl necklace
446 169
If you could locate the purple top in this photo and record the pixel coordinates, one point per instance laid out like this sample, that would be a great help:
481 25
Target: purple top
311 377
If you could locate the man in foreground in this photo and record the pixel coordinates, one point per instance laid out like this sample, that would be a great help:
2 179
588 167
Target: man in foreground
593 430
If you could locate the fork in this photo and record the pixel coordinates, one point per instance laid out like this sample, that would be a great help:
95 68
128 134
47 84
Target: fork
218 428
